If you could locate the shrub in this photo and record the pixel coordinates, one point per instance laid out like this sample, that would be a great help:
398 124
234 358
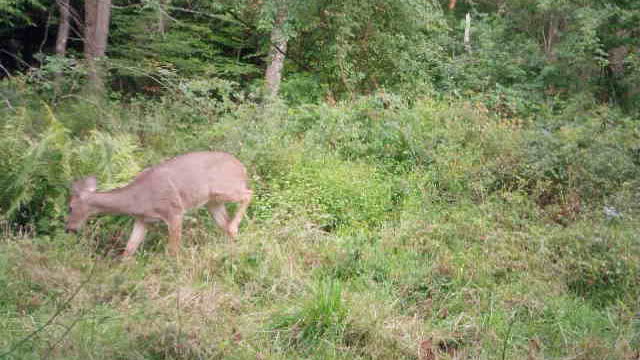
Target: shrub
598 261
333 193
39 171
301 88
364 131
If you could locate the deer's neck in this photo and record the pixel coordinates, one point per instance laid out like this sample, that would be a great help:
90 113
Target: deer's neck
117 201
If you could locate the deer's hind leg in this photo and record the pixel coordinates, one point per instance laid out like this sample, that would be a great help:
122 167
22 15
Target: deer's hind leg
219 214
244 198
136 238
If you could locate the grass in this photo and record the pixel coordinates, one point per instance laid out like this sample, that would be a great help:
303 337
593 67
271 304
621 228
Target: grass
458 291
439 241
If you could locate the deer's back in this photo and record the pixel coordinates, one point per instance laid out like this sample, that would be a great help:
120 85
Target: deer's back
193 179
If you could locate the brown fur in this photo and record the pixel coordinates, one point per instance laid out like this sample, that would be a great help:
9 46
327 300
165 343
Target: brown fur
165 192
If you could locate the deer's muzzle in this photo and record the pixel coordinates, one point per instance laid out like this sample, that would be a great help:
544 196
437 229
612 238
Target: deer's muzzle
70 230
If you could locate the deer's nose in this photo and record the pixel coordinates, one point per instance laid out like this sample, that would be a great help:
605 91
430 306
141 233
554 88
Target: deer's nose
70 231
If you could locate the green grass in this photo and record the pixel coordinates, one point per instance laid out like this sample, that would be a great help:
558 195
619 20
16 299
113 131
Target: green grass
472 290
374 234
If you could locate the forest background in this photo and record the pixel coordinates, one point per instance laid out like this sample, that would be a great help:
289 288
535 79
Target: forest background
433 179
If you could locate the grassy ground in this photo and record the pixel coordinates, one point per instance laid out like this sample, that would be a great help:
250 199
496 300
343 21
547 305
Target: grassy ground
424 233
438 286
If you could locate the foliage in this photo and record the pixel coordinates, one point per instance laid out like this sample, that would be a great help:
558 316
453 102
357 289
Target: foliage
413 198
42 167
14 12
377 228
334 194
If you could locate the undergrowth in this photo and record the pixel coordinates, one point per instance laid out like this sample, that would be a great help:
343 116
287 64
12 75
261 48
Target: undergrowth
430 231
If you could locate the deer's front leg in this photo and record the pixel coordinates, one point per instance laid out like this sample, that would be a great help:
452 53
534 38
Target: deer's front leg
244 201
175 233
136 238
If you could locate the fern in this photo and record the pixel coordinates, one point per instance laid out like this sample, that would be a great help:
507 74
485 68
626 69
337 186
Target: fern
21 185
37 172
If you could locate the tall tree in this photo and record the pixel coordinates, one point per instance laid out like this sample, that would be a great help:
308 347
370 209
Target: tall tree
163 7
63 27
96 32
278 48
62 36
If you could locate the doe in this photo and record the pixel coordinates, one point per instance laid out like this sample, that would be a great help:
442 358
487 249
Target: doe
165 192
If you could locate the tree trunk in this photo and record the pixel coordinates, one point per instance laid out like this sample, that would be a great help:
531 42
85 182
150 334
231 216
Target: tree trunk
550 38
617 56
90 9
277 53
162 16
467 33
102 26
63 27
96 32
62 37
452 4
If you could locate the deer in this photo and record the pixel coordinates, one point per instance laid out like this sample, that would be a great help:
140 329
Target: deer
164 192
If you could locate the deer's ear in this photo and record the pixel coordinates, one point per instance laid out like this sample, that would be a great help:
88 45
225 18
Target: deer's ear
91 184
88 184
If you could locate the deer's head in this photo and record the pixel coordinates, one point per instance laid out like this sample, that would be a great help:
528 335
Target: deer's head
79 209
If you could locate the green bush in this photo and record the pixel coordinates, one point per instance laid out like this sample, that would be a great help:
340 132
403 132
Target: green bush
365 131
301 88
590 156
36 179
598 262
333 193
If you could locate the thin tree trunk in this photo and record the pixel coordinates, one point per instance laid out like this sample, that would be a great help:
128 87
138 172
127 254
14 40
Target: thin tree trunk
62 37
616 59
63 27
277 53
467 33
162 16
617 56
96 32
90 12
102 26
452 4
550 38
